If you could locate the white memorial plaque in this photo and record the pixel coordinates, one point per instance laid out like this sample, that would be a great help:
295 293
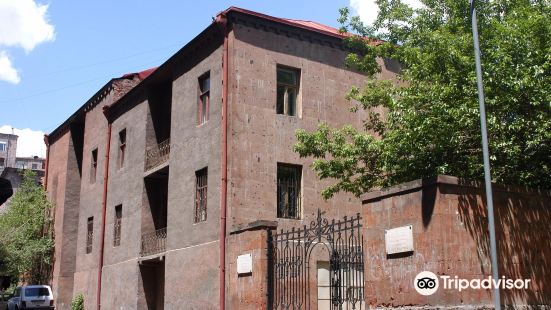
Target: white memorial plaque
399 240
244 264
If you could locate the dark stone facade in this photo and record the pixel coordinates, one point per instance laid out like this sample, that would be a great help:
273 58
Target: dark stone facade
160 201
450 235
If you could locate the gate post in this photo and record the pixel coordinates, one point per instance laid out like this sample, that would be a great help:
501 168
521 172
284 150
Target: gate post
249 290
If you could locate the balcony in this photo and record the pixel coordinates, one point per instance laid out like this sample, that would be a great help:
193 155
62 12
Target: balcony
157 155
153 242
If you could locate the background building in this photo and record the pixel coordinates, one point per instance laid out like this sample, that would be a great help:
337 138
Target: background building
8 148
11 166
34 163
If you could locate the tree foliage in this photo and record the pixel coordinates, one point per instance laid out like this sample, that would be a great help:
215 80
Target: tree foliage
78 302
430 124
25 239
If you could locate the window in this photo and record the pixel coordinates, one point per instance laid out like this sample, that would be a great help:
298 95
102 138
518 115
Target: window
94 166
287 90
204 98
89 234
36 291
117 226
122 148
288 191
34 166
3 146
19 164
201 195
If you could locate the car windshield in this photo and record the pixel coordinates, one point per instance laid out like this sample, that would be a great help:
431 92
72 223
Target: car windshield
37 291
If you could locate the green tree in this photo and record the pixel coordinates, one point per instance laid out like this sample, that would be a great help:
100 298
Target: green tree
430 124
78 302
25 237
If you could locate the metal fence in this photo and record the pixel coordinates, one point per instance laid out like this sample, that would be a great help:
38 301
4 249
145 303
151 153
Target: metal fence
157 155
289 259
153 242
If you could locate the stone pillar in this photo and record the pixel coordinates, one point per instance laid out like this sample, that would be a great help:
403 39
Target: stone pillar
248 290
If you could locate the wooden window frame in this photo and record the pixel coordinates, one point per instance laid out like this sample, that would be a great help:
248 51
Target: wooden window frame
287 88
203 103
285 207
201 193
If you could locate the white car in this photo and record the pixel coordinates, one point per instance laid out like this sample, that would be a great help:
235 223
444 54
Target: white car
31 297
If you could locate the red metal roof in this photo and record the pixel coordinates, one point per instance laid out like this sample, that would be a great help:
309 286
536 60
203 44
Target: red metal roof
314 26
303 24
141 75
308 25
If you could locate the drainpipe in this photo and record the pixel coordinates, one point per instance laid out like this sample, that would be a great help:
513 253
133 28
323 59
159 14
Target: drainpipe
104 207
221 18
47 142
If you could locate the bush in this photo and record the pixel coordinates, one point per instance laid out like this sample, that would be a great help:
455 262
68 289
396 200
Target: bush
78 302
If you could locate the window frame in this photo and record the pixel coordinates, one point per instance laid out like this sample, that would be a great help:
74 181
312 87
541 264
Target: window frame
3 146
201 195
89 234
122 148
287 87
93 165
203 102
284 212
117 226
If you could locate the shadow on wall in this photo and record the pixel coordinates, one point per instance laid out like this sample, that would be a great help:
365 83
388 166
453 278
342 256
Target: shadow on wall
523 235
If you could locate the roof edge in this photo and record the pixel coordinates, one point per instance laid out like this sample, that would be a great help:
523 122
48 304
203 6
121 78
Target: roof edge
284 21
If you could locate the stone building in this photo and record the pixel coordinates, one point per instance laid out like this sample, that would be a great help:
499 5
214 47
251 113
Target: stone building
178 188
34 163
11 167
8 148
159 186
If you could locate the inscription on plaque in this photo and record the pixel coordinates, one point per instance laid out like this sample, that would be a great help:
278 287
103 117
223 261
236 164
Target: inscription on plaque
244 264
399 240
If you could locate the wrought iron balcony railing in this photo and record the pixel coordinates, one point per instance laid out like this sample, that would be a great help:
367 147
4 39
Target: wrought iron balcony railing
153 242
157 155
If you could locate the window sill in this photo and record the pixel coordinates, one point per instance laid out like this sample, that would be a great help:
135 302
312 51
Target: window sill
202 124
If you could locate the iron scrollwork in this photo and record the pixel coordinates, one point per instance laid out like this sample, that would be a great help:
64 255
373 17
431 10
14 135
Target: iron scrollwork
289 258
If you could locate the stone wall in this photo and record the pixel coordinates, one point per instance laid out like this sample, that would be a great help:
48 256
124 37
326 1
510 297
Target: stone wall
450 237
64 192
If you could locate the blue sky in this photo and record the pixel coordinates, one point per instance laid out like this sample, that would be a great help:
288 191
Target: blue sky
93 41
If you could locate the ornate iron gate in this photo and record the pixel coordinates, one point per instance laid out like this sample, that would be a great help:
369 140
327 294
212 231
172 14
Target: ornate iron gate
289 264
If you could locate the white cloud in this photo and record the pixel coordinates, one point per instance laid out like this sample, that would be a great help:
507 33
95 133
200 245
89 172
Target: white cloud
7 72
368 9
23 23
30 142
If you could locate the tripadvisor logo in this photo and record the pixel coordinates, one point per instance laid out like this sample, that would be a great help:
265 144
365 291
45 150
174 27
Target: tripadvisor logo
427 283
